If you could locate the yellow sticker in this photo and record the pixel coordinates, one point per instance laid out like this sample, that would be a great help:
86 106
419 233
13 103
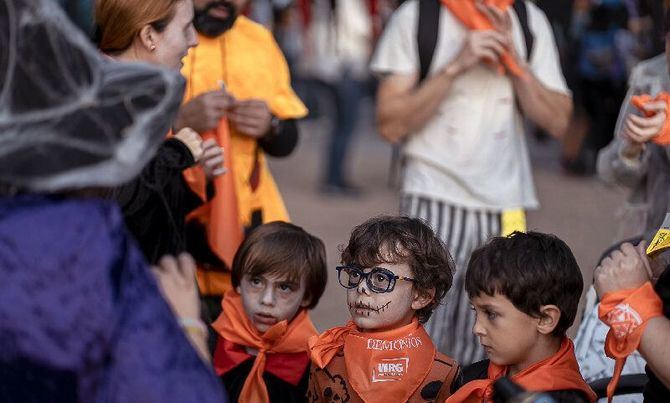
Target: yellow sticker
661 240
513 220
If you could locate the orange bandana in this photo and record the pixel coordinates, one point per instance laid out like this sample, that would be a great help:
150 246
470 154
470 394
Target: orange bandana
234 325
639 101
558 372
468 14
627 313
382 366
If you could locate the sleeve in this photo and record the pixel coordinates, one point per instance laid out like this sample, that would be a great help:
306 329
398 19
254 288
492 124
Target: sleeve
545 62
283 142
285 104
612 167
172 157
397 51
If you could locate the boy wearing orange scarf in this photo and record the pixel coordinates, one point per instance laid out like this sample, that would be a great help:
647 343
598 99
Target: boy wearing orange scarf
524 289
396 271
279 272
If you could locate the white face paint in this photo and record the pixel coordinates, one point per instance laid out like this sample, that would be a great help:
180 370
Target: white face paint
372 311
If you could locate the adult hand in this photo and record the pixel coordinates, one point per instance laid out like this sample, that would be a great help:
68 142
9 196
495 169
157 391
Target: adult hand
626 268
502 23
204 112
212 159
192 140
176 280
640 129
251 117
479 46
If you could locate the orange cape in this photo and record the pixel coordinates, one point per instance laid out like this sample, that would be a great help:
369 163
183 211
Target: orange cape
627 313
248 60
558 372
381 366
467 13
234 326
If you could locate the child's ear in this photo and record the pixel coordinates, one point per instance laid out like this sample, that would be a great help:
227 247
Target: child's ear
147 39
306 301
549 317
422 298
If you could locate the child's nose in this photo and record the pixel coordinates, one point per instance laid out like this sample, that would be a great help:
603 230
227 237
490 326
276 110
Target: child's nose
363 287
268 296
478 329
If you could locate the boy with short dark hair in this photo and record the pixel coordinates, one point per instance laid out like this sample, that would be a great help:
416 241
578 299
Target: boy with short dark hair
279 273
524 289
396 271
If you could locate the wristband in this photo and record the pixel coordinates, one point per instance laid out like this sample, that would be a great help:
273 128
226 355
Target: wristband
627 313
191 324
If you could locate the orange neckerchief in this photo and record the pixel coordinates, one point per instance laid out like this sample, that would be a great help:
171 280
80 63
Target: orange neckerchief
558 372
219 215
234 325
468 14
639 101
382 366
627 313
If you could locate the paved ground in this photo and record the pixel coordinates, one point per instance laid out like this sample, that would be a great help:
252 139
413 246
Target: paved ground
578 210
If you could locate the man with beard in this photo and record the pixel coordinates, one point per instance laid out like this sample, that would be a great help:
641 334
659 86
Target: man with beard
238 91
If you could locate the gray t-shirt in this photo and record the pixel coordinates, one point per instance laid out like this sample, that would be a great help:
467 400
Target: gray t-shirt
473 152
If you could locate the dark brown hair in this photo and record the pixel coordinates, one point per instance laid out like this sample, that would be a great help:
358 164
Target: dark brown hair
283 248
407 240
119 22
530 269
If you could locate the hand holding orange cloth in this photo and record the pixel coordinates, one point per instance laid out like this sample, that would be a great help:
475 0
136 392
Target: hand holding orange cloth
627 313
468 14
381 366
284 337
558 372
639 101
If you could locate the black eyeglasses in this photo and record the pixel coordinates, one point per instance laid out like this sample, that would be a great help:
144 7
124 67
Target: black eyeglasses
379 279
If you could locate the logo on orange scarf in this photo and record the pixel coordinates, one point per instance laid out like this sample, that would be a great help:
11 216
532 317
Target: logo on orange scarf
623 320
390 369
394 345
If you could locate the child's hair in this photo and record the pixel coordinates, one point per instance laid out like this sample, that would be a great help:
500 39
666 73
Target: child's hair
407 240
283 248
530 269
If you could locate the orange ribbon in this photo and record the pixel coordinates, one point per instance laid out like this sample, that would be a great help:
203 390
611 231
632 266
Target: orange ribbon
284 337
639 101
627 313
558 372
381 366
467 13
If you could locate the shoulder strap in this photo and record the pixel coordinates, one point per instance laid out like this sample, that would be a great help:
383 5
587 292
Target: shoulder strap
428 27
521 10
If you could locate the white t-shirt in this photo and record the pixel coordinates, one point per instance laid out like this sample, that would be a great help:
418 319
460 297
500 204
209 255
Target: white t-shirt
472 153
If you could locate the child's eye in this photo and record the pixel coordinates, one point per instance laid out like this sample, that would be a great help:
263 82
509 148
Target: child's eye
491 315
286 287
255 281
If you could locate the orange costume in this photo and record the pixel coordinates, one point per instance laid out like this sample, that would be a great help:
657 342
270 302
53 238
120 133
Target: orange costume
399 365
558 372
248 61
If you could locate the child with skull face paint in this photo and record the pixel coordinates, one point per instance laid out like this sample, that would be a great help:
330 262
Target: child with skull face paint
396 271
279 272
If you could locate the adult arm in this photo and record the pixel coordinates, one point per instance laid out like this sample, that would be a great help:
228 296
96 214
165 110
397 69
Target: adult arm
655 348
404 108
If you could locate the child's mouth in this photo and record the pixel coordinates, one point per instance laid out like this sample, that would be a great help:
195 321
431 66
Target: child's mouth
265 319
365 309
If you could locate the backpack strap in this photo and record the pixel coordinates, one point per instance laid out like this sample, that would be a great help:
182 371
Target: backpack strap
521 10
427 32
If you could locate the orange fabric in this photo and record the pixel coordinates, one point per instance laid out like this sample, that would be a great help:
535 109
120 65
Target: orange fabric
558 372
381 366
219 215
213 282
627 313
639 101
284 337
467 13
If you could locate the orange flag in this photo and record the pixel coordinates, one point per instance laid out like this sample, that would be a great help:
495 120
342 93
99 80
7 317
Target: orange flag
467 13
639 101
219 215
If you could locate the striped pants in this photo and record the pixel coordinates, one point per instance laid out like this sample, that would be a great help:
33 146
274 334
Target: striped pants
463 231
